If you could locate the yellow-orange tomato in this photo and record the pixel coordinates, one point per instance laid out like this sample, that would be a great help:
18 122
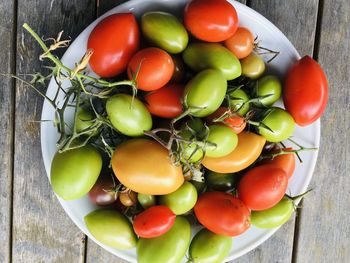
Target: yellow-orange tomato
144 166
247 151
241 43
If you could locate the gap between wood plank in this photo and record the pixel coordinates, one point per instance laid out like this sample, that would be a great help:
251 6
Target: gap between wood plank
318 29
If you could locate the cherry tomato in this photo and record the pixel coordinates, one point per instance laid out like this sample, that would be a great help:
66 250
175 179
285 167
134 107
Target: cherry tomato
235 122
102 193
222 213
253 66
146 201
269 90
262 187
128 198
305 93
225 141
285 161
241 43
112 54
84 119
165 102
155 66
248 149
154 221
211 20
239 101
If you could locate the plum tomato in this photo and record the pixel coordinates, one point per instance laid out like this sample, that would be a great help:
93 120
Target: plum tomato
285 161
241 44
239 101
253 66
224 141
268 90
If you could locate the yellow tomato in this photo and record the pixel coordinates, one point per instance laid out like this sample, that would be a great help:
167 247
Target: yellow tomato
144 166
247 151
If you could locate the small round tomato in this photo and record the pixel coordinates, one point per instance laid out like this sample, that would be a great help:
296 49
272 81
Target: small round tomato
241 43
103 192
239 101
128 198
305 93
154 221
268 90
235 122
146 201
262 187
285 161
222 213
165 102
152 67
111 54
224 140
84 119
211 20
220 182
190 151
253 66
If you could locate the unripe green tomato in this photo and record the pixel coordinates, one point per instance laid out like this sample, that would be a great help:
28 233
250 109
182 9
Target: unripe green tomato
129 116
221 181
84 119
207 247
146 201
225 139
191 152
170 247
74 172
239 101
280 125
205 92
269 87
199 56
200 186
182 200
196 125
165 31
111 228
253 66
275 216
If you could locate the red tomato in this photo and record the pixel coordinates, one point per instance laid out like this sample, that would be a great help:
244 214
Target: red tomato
165 102
211 20
154 221
305 92
285 161
156 68
114 40
262 187
241 43
235 122
222 213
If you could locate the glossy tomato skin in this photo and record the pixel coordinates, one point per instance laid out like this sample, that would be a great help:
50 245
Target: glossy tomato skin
239 101
144 166
268 89
165 102
146 201
155 66
225 141
305 92
221 182
262 187
241 43
114 40
222 213
102 193
253 66
234 122
285 161
154 221
211 20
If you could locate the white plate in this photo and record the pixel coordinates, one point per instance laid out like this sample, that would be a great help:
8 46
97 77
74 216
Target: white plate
270 37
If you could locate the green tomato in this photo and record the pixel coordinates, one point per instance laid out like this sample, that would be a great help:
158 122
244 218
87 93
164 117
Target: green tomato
221 182
200 186
205 92
129 116
111 228
84 119
170 247
196 125
239 101
225 139
74 172
201 56
207 247
146 201
253 66
274 216
190 151
182 200
165 31
269 89
280 125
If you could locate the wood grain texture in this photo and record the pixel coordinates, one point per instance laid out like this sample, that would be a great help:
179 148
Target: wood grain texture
324 230
42 232
6 126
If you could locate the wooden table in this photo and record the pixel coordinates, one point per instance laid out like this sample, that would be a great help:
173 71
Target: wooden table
34 227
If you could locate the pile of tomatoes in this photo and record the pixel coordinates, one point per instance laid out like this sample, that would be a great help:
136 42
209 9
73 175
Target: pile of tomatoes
201 138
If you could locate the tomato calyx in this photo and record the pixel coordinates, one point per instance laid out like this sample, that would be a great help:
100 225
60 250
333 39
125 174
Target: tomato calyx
297 198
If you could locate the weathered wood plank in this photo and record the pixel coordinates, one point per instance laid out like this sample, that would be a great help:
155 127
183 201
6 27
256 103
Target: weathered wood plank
297 20
42 232
324 230
6 126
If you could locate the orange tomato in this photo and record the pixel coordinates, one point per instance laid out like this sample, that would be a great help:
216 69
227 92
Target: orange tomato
235 122
144 166
247 151
241 43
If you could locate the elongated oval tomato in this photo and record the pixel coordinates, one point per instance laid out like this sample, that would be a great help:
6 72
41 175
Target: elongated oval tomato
211 20
165 102
114 41
154 221
305 93
241 43
285 161
235 122
248 149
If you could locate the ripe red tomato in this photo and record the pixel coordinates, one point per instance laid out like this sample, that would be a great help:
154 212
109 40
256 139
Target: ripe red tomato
235 122
114 40
156 68
165 102
285 161
222 213
305 93
262 187
211 20
241 43
154 221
